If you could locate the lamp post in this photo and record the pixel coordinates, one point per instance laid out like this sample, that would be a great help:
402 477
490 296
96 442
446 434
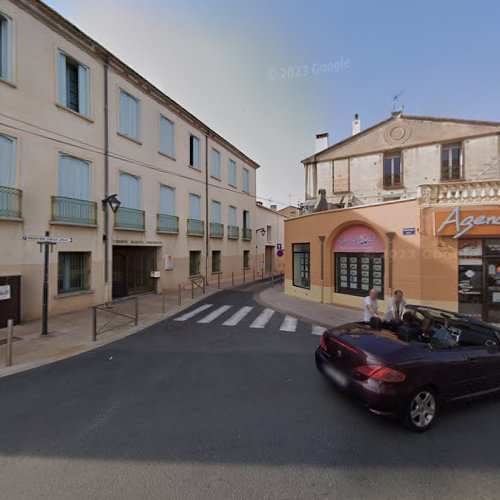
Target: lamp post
262 231
114 203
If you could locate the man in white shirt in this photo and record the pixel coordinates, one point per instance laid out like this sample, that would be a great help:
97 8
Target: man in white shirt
370 306
395 307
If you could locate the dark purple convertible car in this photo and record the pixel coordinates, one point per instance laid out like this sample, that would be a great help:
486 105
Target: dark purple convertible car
410 379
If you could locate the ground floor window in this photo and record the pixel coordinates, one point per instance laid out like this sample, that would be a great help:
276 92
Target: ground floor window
301 265
246 258
194 262
73 272
216 261
357 273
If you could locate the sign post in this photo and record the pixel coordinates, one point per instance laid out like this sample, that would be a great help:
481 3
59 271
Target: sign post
46 241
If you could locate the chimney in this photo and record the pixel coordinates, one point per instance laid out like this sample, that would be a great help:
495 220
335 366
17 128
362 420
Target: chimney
356 125
274 207
321 142
322 203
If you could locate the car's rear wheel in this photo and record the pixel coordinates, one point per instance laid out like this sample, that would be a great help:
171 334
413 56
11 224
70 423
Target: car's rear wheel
421 410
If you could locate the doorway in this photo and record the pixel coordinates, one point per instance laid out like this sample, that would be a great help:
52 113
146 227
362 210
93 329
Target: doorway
492 292
269 258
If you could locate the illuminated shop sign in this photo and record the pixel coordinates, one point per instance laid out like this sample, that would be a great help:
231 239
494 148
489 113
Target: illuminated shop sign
459 223
358 238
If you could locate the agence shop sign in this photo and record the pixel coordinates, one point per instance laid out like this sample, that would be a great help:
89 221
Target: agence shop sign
459 223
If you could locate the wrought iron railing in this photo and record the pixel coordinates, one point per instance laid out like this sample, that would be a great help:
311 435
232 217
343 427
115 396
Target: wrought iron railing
129 218
73 211
460 192
195 227
247 234
216 230
167 224
233 232
10 202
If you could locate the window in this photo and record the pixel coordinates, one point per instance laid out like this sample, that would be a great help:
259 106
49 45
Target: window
232 173
74 178
301 265
194 207
233 216
216 212
5 47
167 137
215 164
246 259
130 191
269 232
246 180
358 273
7 161
194 151
451 162
392 170
73 84
129 116
194 262
167 200
73 272
216 261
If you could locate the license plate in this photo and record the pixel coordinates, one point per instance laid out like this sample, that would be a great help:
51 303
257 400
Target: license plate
338 377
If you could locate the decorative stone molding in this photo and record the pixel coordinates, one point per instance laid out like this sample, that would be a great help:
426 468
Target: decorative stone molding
460 192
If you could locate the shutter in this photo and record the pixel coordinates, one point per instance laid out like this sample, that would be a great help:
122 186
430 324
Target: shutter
166 136
74 178
83 91
232 173
196 152
215 163
5 47
7 161
130 191
233 217
167 200
216 212
61 79
194 207
246 181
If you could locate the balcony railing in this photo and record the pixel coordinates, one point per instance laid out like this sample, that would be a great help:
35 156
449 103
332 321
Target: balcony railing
195 227
233 232
460 192
130 218
247 234
216 230
10 202
74 211
167 224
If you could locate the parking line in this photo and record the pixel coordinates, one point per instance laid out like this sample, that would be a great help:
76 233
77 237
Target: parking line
214 314
237 316
262 319
192 313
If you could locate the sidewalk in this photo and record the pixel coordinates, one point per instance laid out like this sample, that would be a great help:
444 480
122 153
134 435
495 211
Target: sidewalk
70 334
326 315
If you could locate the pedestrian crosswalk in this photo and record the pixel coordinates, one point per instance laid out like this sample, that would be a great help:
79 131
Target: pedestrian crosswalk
250 316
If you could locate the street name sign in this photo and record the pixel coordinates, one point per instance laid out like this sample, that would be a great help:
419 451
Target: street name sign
46 239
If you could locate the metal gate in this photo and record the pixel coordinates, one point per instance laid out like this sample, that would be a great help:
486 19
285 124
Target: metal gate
132 267
10 308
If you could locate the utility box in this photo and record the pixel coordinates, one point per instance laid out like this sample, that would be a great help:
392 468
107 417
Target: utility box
10 300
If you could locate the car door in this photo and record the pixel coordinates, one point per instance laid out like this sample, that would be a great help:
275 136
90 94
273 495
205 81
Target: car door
484 366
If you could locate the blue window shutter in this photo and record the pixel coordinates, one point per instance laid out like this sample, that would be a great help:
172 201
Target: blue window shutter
6 47
83 90
130 191
167 134
232 172
167 200
196 152
194 207
215 163
233 216
246 181
61 78
7 161
74 178
129 115
216 212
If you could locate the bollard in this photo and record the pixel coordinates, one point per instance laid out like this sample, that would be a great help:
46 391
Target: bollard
262 273
136 311
218 281
179 295
94 324
244 275
164 308
10 334
232 278
272 280
254 273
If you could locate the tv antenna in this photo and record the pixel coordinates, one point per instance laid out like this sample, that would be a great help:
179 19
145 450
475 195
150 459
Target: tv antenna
395 101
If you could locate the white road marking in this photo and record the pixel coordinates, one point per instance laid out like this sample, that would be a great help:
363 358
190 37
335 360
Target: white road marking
318 330
192 313
262 319
289 324
214 314
237 316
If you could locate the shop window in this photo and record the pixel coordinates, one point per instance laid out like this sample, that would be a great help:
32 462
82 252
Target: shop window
358 273
451 162
194 262
216 261
392 170
301 265
246 259
492 247
73 272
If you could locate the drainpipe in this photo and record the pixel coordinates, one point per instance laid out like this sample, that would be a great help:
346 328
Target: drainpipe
207 224
390 237
322 267
106 183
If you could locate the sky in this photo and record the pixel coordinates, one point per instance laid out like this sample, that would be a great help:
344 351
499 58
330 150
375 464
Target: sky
270 74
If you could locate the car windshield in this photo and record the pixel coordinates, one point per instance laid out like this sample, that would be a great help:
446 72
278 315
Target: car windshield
444 338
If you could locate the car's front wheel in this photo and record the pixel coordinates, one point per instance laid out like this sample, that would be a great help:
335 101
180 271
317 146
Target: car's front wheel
421 410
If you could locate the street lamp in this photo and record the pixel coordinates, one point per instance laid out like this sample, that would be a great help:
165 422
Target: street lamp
262 231
113 201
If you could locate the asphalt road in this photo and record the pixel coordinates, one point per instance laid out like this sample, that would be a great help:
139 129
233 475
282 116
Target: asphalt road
205 410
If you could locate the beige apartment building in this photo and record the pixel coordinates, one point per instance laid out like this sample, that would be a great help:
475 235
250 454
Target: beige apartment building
78 126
